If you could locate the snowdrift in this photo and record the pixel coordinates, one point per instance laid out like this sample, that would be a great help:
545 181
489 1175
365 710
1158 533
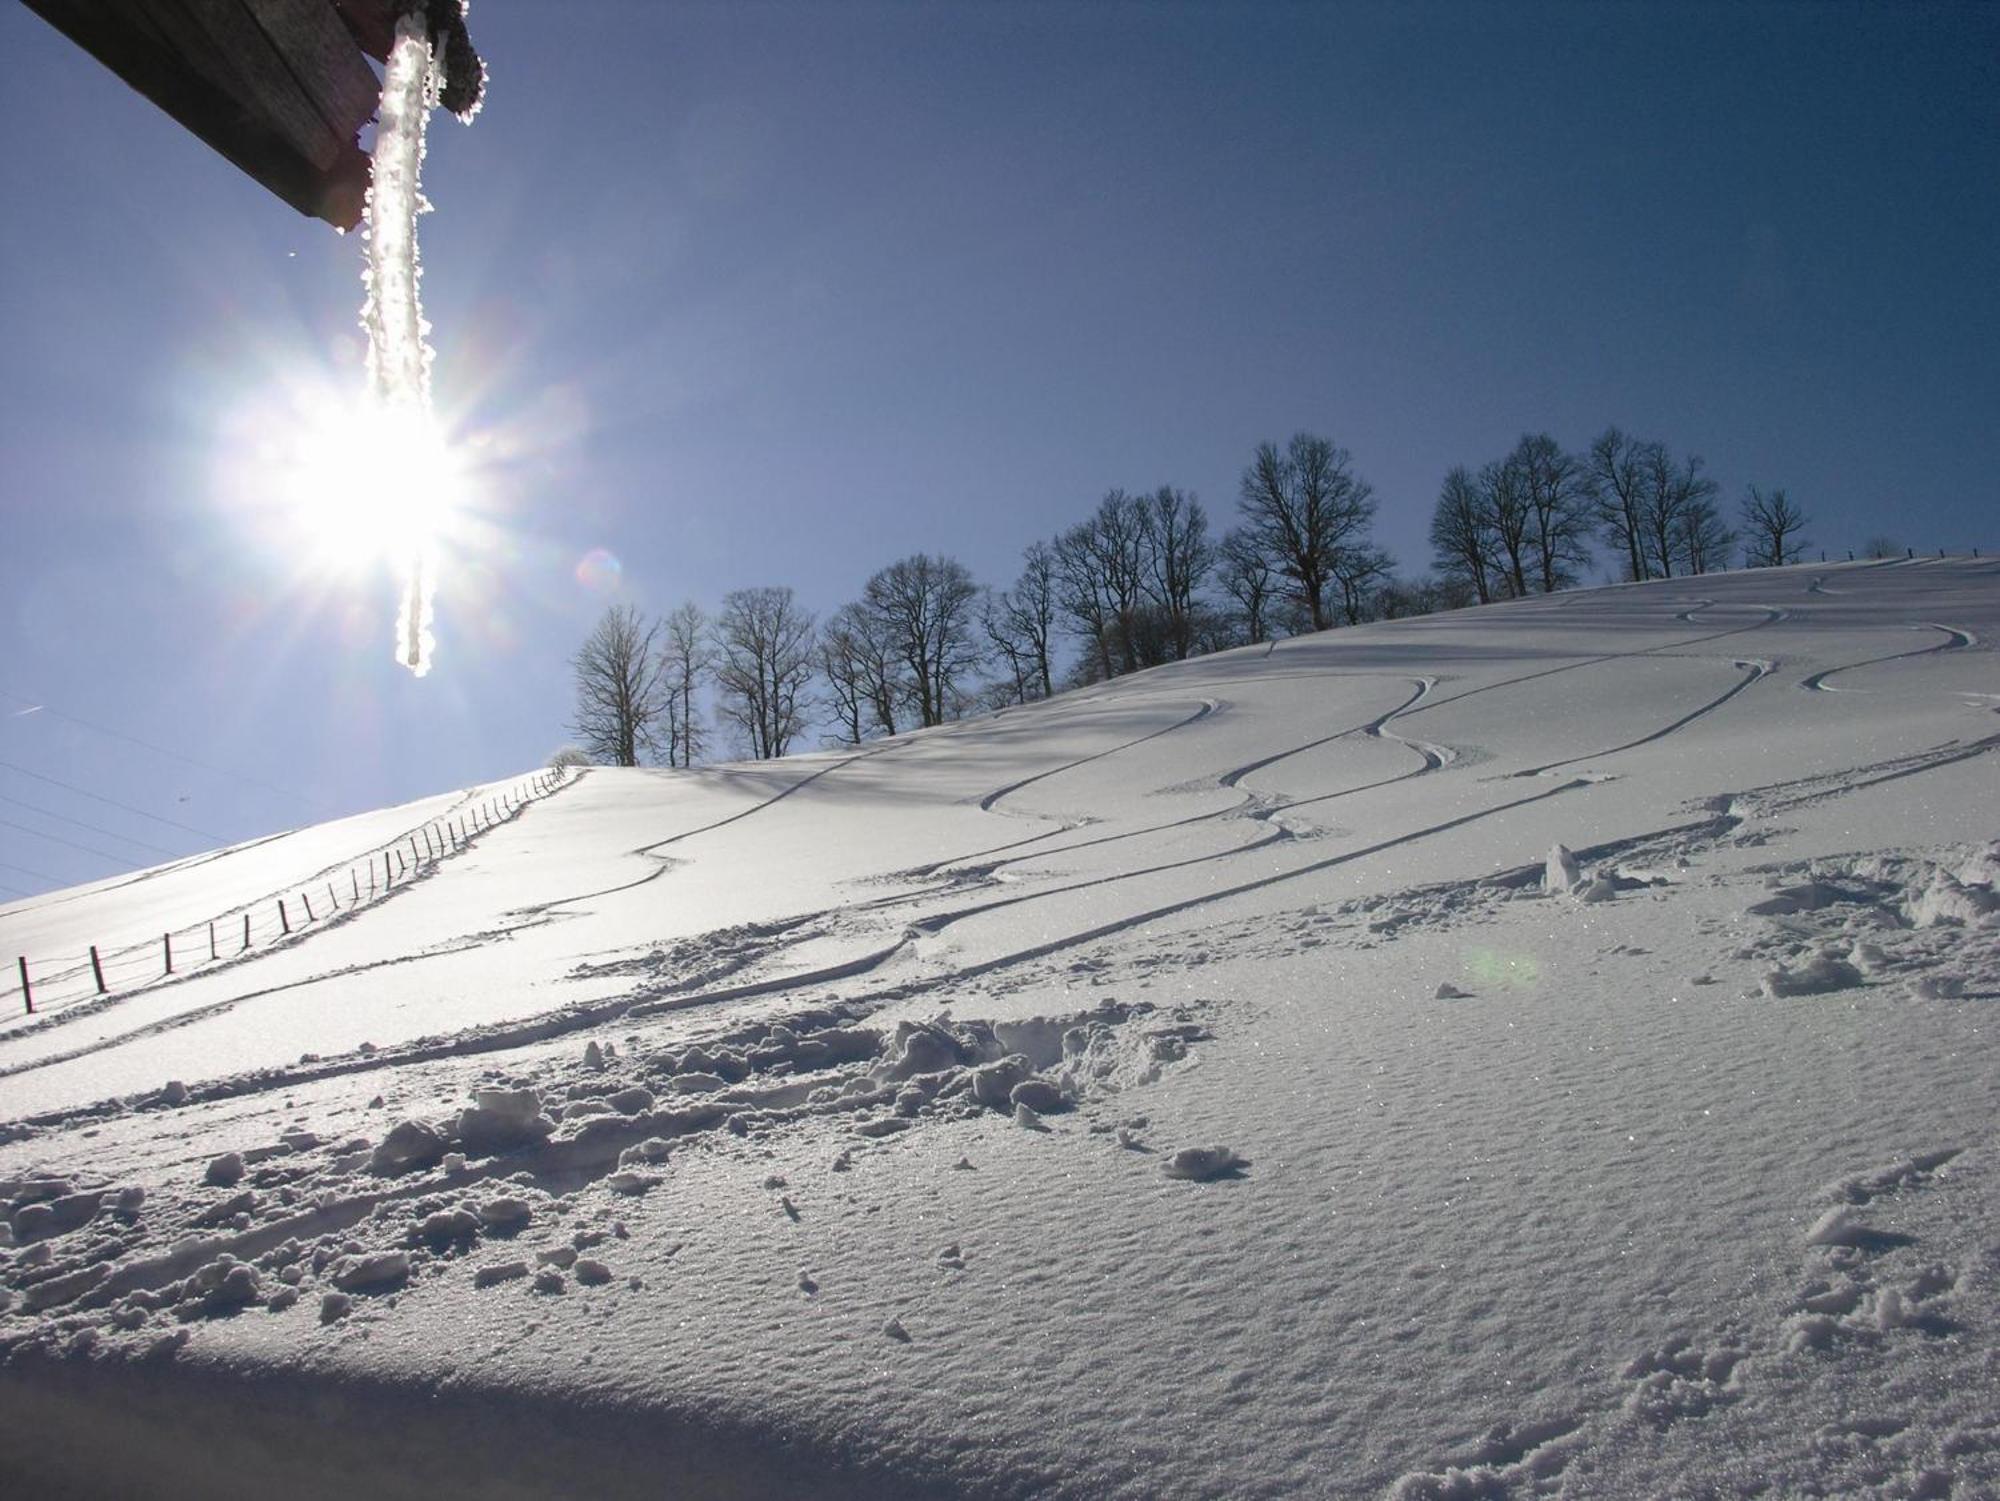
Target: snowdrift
1547 1049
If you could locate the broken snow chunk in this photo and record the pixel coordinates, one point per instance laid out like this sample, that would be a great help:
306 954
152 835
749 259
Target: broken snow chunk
507 1212
1839 1226
1450 992
549 1280
498 1272
920 1049
696 1083
449 1224
334 1306
1937 987
1200 1164
633 1100
1038 1095
1823 972
175 1093
1561 872
652 1149
501 1120
1949 900
895 1330
225 1171
379 1269
887 1125
1029 1119
593 1056
1597 889
561 1257
409 1145
993 1083
53 1292
592 1273
631 1183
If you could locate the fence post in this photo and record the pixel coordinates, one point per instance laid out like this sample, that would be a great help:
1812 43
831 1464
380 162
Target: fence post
167 944
246 932
309 905
27 993
332 900
211 940
399 862
415 858
97 968
427 842
354 881
284 919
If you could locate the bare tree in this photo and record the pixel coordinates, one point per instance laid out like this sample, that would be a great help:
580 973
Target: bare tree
1702 539
620 700
1304 507
870 690
1360 573
686 655
1557 494
1615 469
1462 535
1672 499
1246 576
1177 562
1101 571
924 608
997 623
763 665
1503 495
1882 547
1771 524
848 661
569 756
1020 622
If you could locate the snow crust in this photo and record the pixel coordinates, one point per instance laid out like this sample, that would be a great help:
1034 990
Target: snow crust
1533 1051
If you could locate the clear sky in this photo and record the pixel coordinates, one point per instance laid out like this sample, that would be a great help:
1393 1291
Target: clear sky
747 294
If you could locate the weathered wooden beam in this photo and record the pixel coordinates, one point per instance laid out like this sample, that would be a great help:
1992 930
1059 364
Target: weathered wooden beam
279 87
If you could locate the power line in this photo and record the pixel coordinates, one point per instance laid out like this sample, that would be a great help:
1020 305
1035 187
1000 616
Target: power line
93 828
221 771
112 802
9 823
38 875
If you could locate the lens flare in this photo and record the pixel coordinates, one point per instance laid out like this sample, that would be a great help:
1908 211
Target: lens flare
599 570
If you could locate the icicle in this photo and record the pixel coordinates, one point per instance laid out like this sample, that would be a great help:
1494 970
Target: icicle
399 354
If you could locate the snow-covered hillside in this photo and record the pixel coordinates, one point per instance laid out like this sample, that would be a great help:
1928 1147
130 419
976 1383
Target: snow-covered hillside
1210 1084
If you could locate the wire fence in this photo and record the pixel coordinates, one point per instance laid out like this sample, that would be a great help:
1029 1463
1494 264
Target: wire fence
46 985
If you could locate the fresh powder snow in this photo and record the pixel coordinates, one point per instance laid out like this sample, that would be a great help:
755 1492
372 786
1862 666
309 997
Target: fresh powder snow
1540 1050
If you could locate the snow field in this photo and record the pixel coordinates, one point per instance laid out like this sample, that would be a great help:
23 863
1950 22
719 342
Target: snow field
1042 1106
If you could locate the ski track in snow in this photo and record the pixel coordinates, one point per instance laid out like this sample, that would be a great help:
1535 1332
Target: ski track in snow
1879 1277
1956 640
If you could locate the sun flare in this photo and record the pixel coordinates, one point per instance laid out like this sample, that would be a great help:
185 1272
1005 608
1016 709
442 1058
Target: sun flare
363 485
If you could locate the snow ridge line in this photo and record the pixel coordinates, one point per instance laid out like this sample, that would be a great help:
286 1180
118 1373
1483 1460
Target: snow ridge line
1207 898
644 850
1755 671
1960 639
1771 617
1208 707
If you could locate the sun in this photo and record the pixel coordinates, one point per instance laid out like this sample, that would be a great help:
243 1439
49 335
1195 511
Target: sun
362 485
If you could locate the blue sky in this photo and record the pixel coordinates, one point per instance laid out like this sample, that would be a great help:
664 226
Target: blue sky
753 294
